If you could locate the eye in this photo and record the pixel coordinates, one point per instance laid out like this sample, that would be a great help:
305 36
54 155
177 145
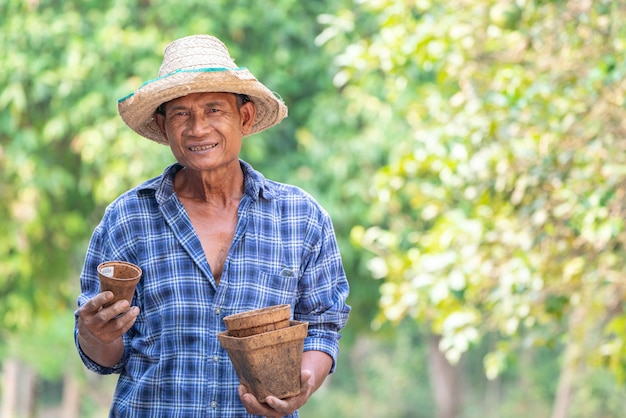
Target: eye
179 115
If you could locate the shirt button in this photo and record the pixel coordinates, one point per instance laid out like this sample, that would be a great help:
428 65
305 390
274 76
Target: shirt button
216 358
213 404
217 311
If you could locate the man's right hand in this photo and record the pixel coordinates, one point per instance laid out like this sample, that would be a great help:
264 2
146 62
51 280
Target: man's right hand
100 329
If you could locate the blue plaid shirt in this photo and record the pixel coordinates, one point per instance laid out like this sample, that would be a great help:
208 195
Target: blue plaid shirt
284 252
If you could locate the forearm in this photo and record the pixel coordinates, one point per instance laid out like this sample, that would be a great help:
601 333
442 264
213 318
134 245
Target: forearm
319 363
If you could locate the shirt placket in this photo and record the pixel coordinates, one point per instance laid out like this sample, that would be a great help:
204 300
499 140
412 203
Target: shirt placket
217 359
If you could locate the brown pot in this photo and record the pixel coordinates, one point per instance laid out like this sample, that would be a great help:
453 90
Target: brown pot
119 277
258 321
268 363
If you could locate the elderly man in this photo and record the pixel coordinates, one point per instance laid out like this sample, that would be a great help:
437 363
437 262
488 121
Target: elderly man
213 237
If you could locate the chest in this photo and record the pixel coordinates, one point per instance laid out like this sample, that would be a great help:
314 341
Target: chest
215 229
266 252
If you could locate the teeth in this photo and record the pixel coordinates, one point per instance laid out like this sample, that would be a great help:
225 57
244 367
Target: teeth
202 148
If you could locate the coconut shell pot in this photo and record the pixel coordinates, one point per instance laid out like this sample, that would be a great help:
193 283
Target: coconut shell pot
268 363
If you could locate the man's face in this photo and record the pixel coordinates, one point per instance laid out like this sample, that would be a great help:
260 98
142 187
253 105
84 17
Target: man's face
205 130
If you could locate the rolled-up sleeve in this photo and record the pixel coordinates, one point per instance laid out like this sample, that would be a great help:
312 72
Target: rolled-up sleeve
324 290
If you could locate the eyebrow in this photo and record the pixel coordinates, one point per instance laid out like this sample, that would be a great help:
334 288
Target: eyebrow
212 103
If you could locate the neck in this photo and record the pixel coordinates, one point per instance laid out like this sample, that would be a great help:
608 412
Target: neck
212 187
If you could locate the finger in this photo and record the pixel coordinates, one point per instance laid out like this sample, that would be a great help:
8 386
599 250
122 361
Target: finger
287 405
295 402
117 309
94 304
105 330
276 403
110 319
252 404
105 315
127 320
280 407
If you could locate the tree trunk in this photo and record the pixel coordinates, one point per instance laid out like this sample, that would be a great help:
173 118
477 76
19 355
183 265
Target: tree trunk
71 397
565 386
567 378
358 356
9 388
492 397
18 390
445 381
569 368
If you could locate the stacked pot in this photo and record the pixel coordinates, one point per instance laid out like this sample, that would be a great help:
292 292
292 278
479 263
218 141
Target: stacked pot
265 347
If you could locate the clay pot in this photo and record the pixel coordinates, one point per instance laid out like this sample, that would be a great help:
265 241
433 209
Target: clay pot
258 321
119 277
268 363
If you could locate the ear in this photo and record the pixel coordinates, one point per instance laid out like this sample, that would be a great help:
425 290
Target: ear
248 114
159 119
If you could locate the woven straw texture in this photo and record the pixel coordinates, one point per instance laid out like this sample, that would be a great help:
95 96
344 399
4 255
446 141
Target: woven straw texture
197 64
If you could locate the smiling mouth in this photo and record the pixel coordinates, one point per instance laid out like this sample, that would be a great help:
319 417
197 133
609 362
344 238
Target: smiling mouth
202 147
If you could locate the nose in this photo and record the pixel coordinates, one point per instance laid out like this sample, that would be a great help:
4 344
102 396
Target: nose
198 124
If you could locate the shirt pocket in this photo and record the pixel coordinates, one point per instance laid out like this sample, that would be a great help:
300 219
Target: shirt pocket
269 289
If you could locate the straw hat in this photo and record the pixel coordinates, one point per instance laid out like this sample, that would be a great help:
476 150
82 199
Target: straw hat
195 64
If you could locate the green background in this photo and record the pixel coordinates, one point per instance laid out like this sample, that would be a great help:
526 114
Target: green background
470 153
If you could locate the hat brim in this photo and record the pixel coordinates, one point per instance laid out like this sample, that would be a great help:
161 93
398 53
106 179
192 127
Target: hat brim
138 109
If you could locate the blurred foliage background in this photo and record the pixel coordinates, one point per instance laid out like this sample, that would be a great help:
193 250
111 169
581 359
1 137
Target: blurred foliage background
471 154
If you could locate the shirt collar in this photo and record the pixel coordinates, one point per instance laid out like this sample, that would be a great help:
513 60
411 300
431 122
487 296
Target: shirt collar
255 184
